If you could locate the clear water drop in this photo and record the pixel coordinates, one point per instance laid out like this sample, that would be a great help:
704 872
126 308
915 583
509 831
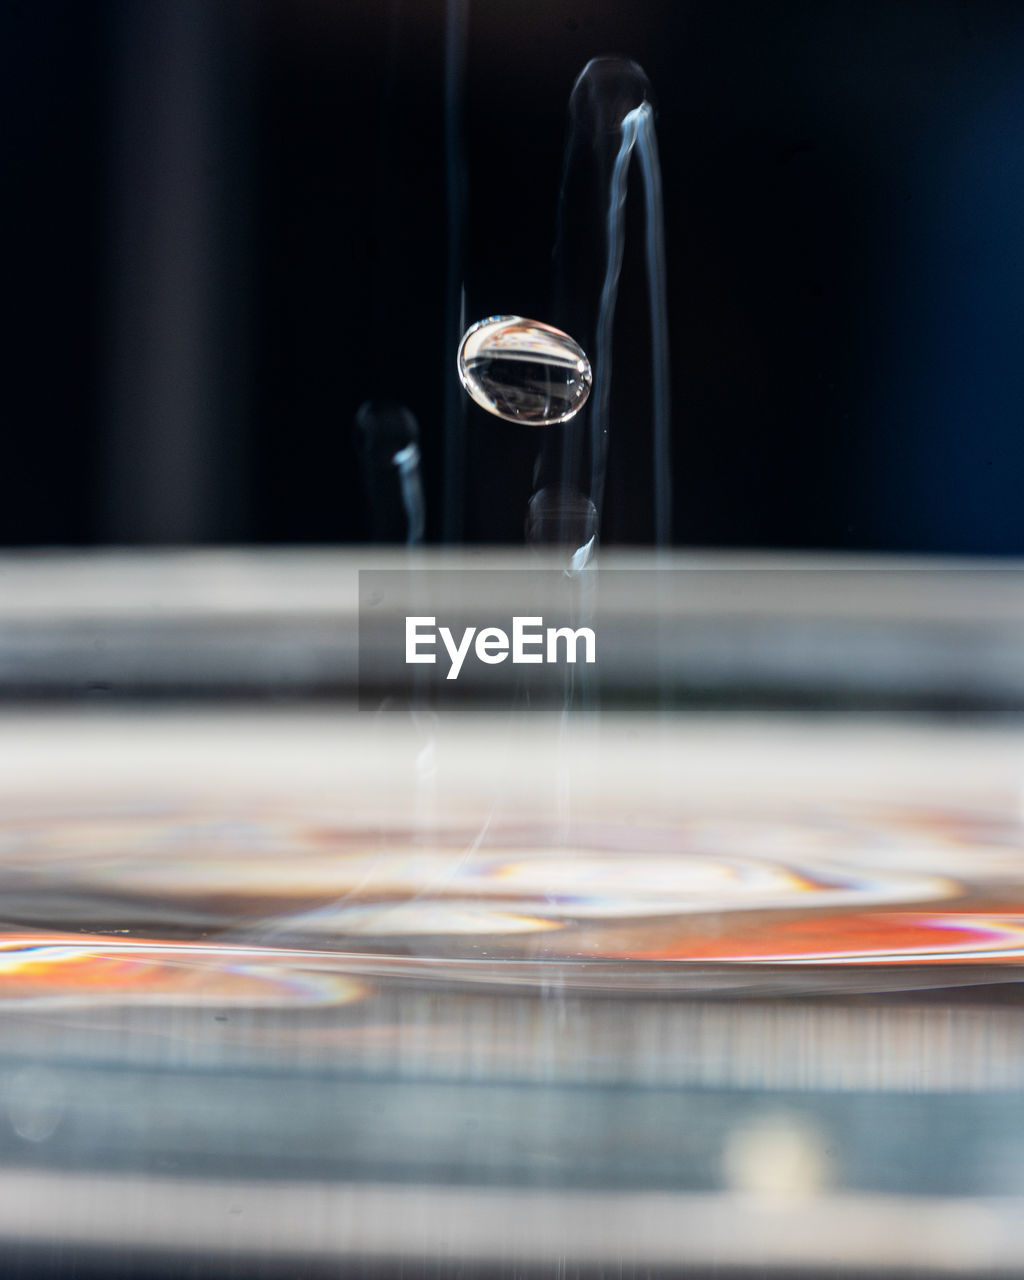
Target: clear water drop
524 371
559 516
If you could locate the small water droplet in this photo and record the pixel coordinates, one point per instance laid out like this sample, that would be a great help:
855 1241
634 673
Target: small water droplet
560 516
524 371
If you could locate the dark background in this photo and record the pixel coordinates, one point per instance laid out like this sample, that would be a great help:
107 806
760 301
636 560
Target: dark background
228 223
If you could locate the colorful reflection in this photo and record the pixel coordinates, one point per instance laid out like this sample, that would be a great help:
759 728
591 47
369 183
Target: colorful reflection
859 938
292 900
76 969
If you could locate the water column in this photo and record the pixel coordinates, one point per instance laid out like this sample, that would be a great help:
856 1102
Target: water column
611 121
531 372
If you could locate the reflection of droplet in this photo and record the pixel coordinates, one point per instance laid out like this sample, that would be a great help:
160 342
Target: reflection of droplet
524 371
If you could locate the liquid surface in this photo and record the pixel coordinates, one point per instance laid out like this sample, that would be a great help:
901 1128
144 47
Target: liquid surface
524 371
255 860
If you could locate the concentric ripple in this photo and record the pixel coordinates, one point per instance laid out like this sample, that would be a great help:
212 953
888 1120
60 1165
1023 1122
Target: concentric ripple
171 906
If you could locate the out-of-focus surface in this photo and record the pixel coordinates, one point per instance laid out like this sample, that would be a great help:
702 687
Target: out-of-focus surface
723 628
478 840
298 989
290 989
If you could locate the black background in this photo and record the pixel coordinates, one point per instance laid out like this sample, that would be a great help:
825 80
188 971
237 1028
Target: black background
227 226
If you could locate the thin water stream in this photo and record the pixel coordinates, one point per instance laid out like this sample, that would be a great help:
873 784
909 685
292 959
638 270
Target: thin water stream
527 371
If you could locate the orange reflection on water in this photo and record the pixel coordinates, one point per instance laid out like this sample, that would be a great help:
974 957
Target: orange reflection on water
858 938
77 967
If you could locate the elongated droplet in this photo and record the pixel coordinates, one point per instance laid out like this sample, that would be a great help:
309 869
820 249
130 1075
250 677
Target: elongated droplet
524 371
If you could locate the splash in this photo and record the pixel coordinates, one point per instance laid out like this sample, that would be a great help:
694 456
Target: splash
533 373
611 120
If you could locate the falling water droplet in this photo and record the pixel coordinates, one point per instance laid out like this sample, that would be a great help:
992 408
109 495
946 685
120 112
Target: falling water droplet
524 371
